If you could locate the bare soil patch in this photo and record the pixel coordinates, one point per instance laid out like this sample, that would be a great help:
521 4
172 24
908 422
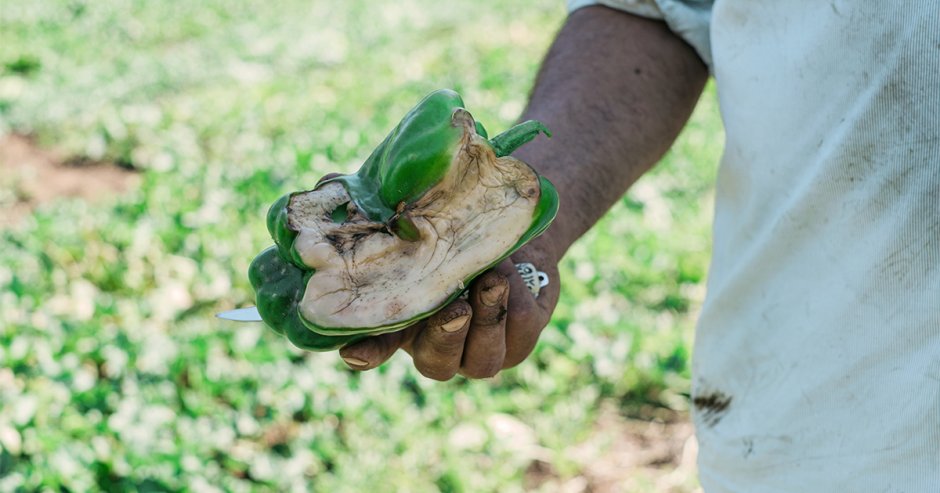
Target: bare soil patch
31 176
624 455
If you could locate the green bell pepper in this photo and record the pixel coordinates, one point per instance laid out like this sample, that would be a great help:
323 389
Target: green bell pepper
436 204
279 287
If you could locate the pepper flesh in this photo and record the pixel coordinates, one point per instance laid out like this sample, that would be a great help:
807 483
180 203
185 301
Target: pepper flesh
433 206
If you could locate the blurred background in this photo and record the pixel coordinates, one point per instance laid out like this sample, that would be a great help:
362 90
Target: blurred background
141 143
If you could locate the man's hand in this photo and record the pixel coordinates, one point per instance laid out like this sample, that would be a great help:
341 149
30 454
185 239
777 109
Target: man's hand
615 90
496 327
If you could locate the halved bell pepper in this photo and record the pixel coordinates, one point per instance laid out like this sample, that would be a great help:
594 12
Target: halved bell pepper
435 205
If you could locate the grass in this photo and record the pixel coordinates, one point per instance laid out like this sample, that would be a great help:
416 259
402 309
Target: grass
114 376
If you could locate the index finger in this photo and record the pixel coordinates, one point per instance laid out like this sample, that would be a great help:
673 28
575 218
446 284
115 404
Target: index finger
437 349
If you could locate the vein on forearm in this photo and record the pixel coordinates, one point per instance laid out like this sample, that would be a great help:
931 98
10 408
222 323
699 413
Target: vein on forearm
615 90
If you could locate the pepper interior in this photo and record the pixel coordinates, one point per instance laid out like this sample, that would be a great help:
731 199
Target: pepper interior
368 274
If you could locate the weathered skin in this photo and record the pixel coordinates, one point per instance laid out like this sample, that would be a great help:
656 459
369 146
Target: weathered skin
366 277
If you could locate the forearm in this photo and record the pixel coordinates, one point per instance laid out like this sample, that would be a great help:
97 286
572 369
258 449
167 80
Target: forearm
615 90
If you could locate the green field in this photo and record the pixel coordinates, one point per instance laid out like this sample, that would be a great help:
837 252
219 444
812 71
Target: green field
114 374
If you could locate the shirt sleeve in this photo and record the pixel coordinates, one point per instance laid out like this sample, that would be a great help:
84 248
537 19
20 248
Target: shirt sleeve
690 19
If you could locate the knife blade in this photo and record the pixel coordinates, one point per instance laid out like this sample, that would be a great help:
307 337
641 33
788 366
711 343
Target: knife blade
247 314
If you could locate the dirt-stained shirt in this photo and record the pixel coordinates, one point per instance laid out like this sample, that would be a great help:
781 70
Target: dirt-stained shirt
817 354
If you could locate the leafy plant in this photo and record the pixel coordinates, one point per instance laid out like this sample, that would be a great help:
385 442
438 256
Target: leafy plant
115 376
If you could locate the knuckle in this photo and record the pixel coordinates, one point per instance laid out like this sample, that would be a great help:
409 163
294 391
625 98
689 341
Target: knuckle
527 317
525 314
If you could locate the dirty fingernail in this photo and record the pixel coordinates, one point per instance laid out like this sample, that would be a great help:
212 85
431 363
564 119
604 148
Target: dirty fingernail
455 324
491 297
354 361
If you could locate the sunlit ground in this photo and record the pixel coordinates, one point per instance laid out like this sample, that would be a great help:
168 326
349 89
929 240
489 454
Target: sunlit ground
143 143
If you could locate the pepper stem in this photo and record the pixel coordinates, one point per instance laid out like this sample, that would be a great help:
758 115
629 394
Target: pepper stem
403 227
510 140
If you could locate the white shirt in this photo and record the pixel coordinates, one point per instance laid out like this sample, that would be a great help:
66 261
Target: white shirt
817 355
